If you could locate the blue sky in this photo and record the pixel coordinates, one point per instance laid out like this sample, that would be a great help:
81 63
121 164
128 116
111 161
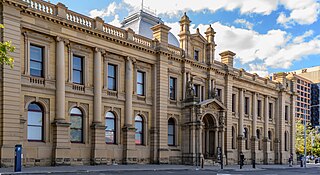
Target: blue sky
267 35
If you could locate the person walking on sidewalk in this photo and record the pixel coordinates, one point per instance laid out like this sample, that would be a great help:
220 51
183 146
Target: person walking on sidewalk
291 160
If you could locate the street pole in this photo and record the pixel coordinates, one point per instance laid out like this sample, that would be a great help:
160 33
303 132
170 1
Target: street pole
305 138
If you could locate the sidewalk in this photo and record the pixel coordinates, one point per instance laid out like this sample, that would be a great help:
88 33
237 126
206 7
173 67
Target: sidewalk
148 167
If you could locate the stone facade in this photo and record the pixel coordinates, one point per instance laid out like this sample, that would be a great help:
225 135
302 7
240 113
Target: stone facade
211 103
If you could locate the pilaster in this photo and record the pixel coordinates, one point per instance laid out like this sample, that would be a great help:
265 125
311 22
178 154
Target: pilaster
162 100
61 143
129 150
10 82
97 149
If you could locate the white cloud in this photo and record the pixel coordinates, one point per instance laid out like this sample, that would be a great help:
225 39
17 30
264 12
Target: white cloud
259 69
115 21
274 49
244 22
110 10
301 38
246 6
301 12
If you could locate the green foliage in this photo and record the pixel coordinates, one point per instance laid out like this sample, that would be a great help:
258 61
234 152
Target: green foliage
5 49
310 132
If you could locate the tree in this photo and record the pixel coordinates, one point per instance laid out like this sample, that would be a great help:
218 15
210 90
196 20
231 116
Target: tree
314 148
5 49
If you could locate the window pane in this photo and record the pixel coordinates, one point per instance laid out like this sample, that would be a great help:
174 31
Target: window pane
76 135
111 83
170 140
36 53
35 118
138 118
77 76
109 137
140 77
34 107
140 90
34 133
36 73
35 65
138 127
170 129
77 63
110 124
76 111
76 122
138 139
111 71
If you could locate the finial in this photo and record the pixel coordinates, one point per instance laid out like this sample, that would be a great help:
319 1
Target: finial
141 4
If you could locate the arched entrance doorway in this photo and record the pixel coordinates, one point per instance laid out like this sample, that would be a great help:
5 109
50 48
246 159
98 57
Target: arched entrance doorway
209 137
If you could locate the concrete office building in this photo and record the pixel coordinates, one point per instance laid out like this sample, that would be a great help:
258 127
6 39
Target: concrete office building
85 92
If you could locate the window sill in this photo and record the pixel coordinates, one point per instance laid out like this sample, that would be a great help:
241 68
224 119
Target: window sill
112 93
141 97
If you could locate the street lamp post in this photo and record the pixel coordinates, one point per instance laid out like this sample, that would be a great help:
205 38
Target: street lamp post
305 138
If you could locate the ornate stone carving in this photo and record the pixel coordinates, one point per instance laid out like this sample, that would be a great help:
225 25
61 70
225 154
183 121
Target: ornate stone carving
190 90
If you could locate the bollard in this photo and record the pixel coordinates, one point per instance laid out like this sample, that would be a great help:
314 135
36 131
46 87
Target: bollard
17 158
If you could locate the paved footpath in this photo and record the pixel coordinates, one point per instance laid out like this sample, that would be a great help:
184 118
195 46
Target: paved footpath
129 168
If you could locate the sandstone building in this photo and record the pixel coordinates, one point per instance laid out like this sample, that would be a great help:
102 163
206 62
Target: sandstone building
83 91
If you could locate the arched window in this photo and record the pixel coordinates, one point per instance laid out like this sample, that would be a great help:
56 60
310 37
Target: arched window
286 141
258 138
171 132
233 141
110 128
76 128
139 130
245 133
35 122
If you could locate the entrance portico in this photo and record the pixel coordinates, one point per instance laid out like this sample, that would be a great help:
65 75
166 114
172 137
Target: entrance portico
204 127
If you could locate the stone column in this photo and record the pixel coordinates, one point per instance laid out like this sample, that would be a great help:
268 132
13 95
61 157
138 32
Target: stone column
184 82
61 142
209 88
129 153
98 155
266 145
215 141
241 116
97 86
254 140
129 90
60 79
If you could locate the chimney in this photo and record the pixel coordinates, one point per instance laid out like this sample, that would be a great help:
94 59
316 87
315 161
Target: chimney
227 58
160 32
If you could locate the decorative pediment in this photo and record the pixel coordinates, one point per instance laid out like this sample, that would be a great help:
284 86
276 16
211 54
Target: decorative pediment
213 103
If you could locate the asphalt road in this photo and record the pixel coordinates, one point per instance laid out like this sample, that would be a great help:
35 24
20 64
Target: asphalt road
289 171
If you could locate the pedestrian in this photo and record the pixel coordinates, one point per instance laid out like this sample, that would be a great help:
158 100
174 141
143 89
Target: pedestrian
291 160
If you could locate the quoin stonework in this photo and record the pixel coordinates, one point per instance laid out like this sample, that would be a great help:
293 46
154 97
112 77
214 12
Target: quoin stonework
85 92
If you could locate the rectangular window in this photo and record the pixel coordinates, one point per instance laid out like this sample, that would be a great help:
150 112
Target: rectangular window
36 61
77 70
202 93
196 55
259 108
172 88
196 89
270 110
140 83
112 77
286 113
246 106
233 102
219 93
